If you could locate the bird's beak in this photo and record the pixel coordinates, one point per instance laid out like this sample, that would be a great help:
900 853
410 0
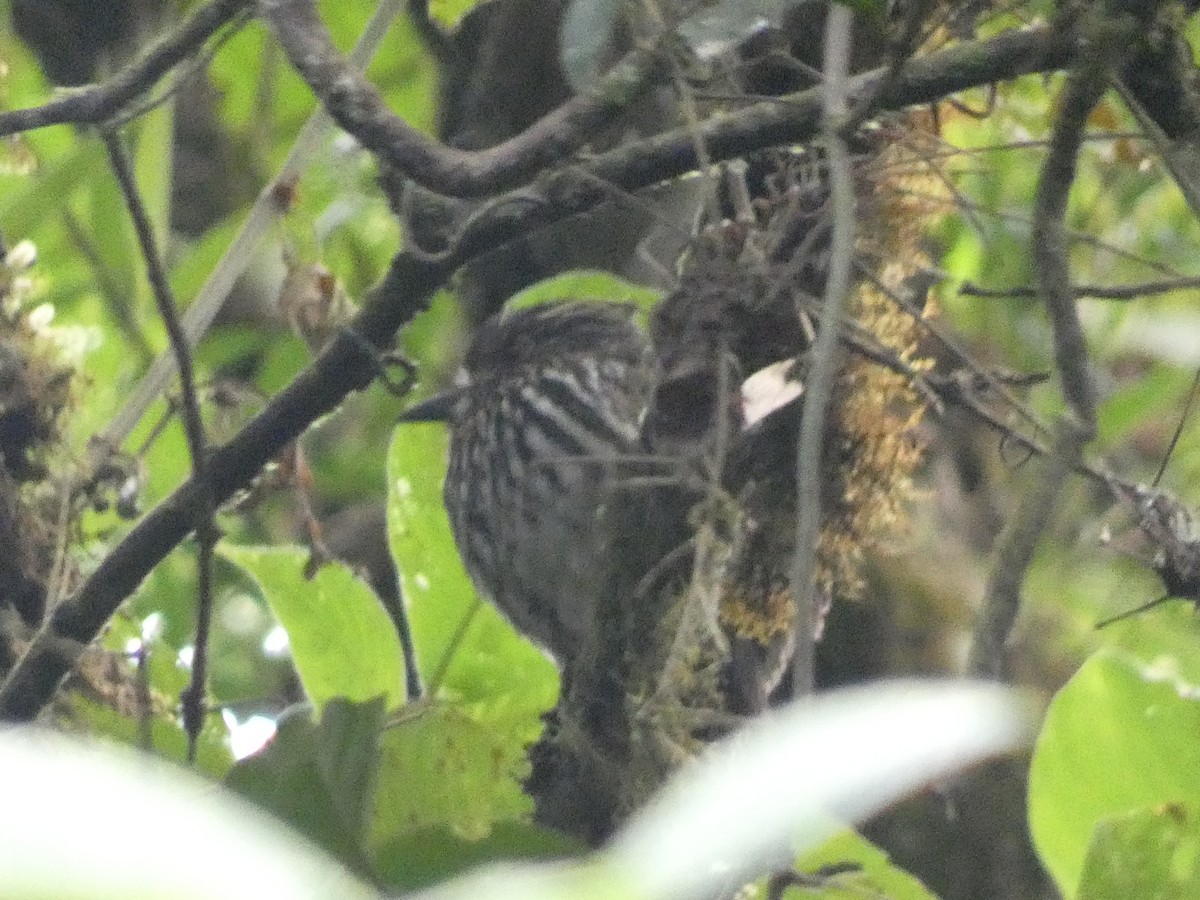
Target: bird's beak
437 408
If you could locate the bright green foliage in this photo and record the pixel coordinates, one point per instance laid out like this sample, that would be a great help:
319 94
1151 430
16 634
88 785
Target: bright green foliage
874 872
342 641
450 793
587 285
413 794
866 7
1145 853
1120 736
463 644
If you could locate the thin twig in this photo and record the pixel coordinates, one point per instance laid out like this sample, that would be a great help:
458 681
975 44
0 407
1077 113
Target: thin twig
263 215
819 385
1017 543
953 392
1095 291
1187 411
1073 234
99 103
193 698
356 105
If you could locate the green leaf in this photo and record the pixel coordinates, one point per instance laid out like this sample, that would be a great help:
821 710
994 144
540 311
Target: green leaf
1146 853
451 12
876 874
342 641
872 8
1118 736
318 777
454 773
430 855
461 642
586 284
741 809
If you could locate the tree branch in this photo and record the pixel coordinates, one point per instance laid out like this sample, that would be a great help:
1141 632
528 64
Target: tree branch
99 103
1084 88
355 104
1094 291
819 383
1016 546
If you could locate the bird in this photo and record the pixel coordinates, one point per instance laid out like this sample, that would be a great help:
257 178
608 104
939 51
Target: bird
548 406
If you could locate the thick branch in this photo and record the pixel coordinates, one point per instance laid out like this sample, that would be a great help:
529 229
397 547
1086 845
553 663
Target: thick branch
100 103
355 104
797 117
344 366
821 375
1083 90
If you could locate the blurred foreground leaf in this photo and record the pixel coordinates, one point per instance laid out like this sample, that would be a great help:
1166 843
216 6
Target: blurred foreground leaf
1118 737
780 786
97 821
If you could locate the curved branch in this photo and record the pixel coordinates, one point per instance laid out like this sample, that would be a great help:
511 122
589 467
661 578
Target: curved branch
99 103
355 104
1014 554
344 366
1083 90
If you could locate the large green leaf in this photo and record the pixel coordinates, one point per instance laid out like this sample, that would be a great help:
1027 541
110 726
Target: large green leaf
462 643
586 284
450 794
1146 853
342 641
1118 737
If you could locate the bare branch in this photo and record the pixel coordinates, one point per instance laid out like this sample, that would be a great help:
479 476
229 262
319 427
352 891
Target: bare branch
1084 88
343 367
1014 553
194 705
1095 291
356 105
819 384
97 104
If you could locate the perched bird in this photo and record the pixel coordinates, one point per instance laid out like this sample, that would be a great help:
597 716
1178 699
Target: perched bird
549 405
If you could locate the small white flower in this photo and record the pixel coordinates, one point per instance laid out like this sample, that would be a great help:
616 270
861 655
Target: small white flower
21 257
